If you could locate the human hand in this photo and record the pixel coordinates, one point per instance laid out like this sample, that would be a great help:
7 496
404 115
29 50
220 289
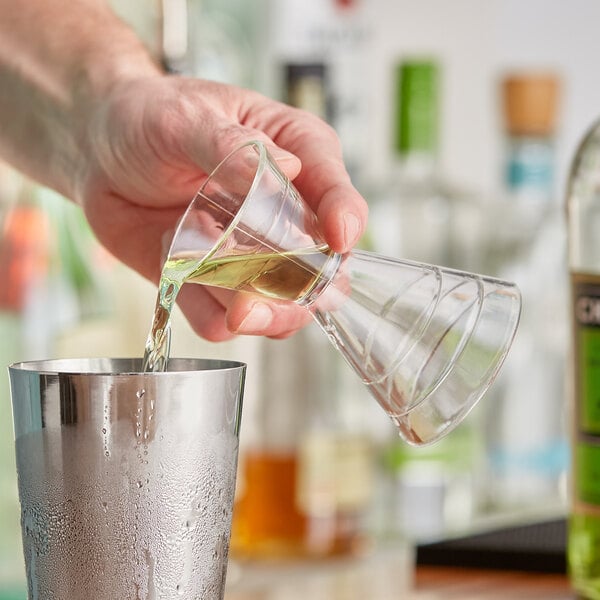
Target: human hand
149 146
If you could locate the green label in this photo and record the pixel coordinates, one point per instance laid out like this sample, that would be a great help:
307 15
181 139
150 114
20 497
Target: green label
587 461
586 309
589 379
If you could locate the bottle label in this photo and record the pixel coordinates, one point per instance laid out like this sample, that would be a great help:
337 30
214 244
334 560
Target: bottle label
587 461
533 170
334 474
586 308
586 348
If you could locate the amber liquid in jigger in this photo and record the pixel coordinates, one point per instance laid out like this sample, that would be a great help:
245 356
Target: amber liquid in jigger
275 275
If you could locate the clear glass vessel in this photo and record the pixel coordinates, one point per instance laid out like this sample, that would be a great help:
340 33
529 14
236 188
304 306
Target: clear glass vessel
426 340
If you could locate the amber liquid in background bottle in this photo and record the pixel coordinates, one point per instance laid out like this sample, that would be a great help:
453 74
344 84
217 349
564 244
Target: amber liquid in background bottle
305 465
278 515
266 511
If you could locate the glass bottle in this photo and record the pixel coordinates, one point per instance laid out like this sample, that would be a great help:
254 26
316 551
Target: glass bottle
409 216
527 243
305 464
583 204
417 214
306 87
527 199
337 34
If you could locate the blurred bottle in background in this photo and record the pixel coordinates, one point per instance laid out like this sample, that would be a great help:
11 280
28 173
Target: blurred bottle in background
306 460
224 42
526 415
417 215
410 213
253 45
584 265
306 87
305 474
527 198
336 34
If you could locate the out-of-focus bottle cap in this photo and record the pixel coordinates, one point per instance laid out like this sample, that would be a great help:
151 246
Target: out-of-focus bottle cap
530 103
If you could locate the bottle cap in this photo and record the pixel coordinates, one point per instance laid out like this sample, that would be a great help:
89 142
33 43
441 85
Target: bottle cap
530 103
416 101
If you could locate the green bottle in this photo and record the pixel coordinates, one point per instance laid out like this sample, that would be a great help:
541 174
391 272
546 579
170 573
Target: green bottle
409 215
583 202
418 215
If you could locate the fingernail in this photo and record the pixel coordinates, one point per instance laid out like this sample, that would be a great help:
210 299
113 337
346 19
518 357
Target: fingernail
351 229
280 155
257 320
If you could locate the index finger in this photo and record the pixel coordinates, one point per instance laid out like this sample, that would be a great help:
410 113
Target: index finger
324 182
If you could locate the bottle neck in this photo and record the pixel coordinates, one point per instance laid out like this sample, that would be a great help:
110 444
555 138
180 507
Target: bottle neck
529 167
416 165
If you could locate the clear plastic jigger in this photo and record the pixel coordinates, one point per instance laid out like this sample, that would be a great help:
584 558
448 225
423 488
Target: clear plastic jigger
427 341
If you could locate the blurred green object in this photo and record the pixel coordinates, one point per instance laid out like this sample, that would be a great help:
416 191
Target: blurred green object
16 593
417 106
12 569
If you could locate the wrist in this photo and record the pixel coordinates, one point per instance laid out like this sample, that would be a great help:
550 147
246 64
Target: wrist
107 64
53 82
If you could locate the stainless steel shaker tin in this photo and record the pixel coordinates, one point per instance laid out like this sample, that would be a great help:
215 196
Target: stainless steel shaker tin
126 479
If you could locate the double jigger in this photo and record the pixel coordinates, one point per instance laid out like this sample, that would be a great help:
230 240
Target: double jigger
427 340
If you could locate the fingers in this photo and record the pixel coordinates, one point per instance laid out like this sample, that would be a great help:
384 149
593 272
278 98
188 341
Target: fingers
305 148
217 124
324 182
342 213
231 136
218 314
204 313
251 314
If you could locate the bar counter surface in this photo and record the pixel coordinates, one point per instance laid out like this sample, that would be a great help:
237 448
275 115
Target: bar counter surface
434 583
391 576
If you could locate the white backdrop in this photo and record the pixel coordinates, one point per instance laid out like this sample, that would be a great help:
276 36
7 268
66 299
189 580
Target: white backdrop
476 42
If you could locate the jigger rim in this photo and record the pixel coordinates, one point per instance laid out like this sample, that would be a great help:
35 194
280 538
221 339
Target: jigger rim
263 159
